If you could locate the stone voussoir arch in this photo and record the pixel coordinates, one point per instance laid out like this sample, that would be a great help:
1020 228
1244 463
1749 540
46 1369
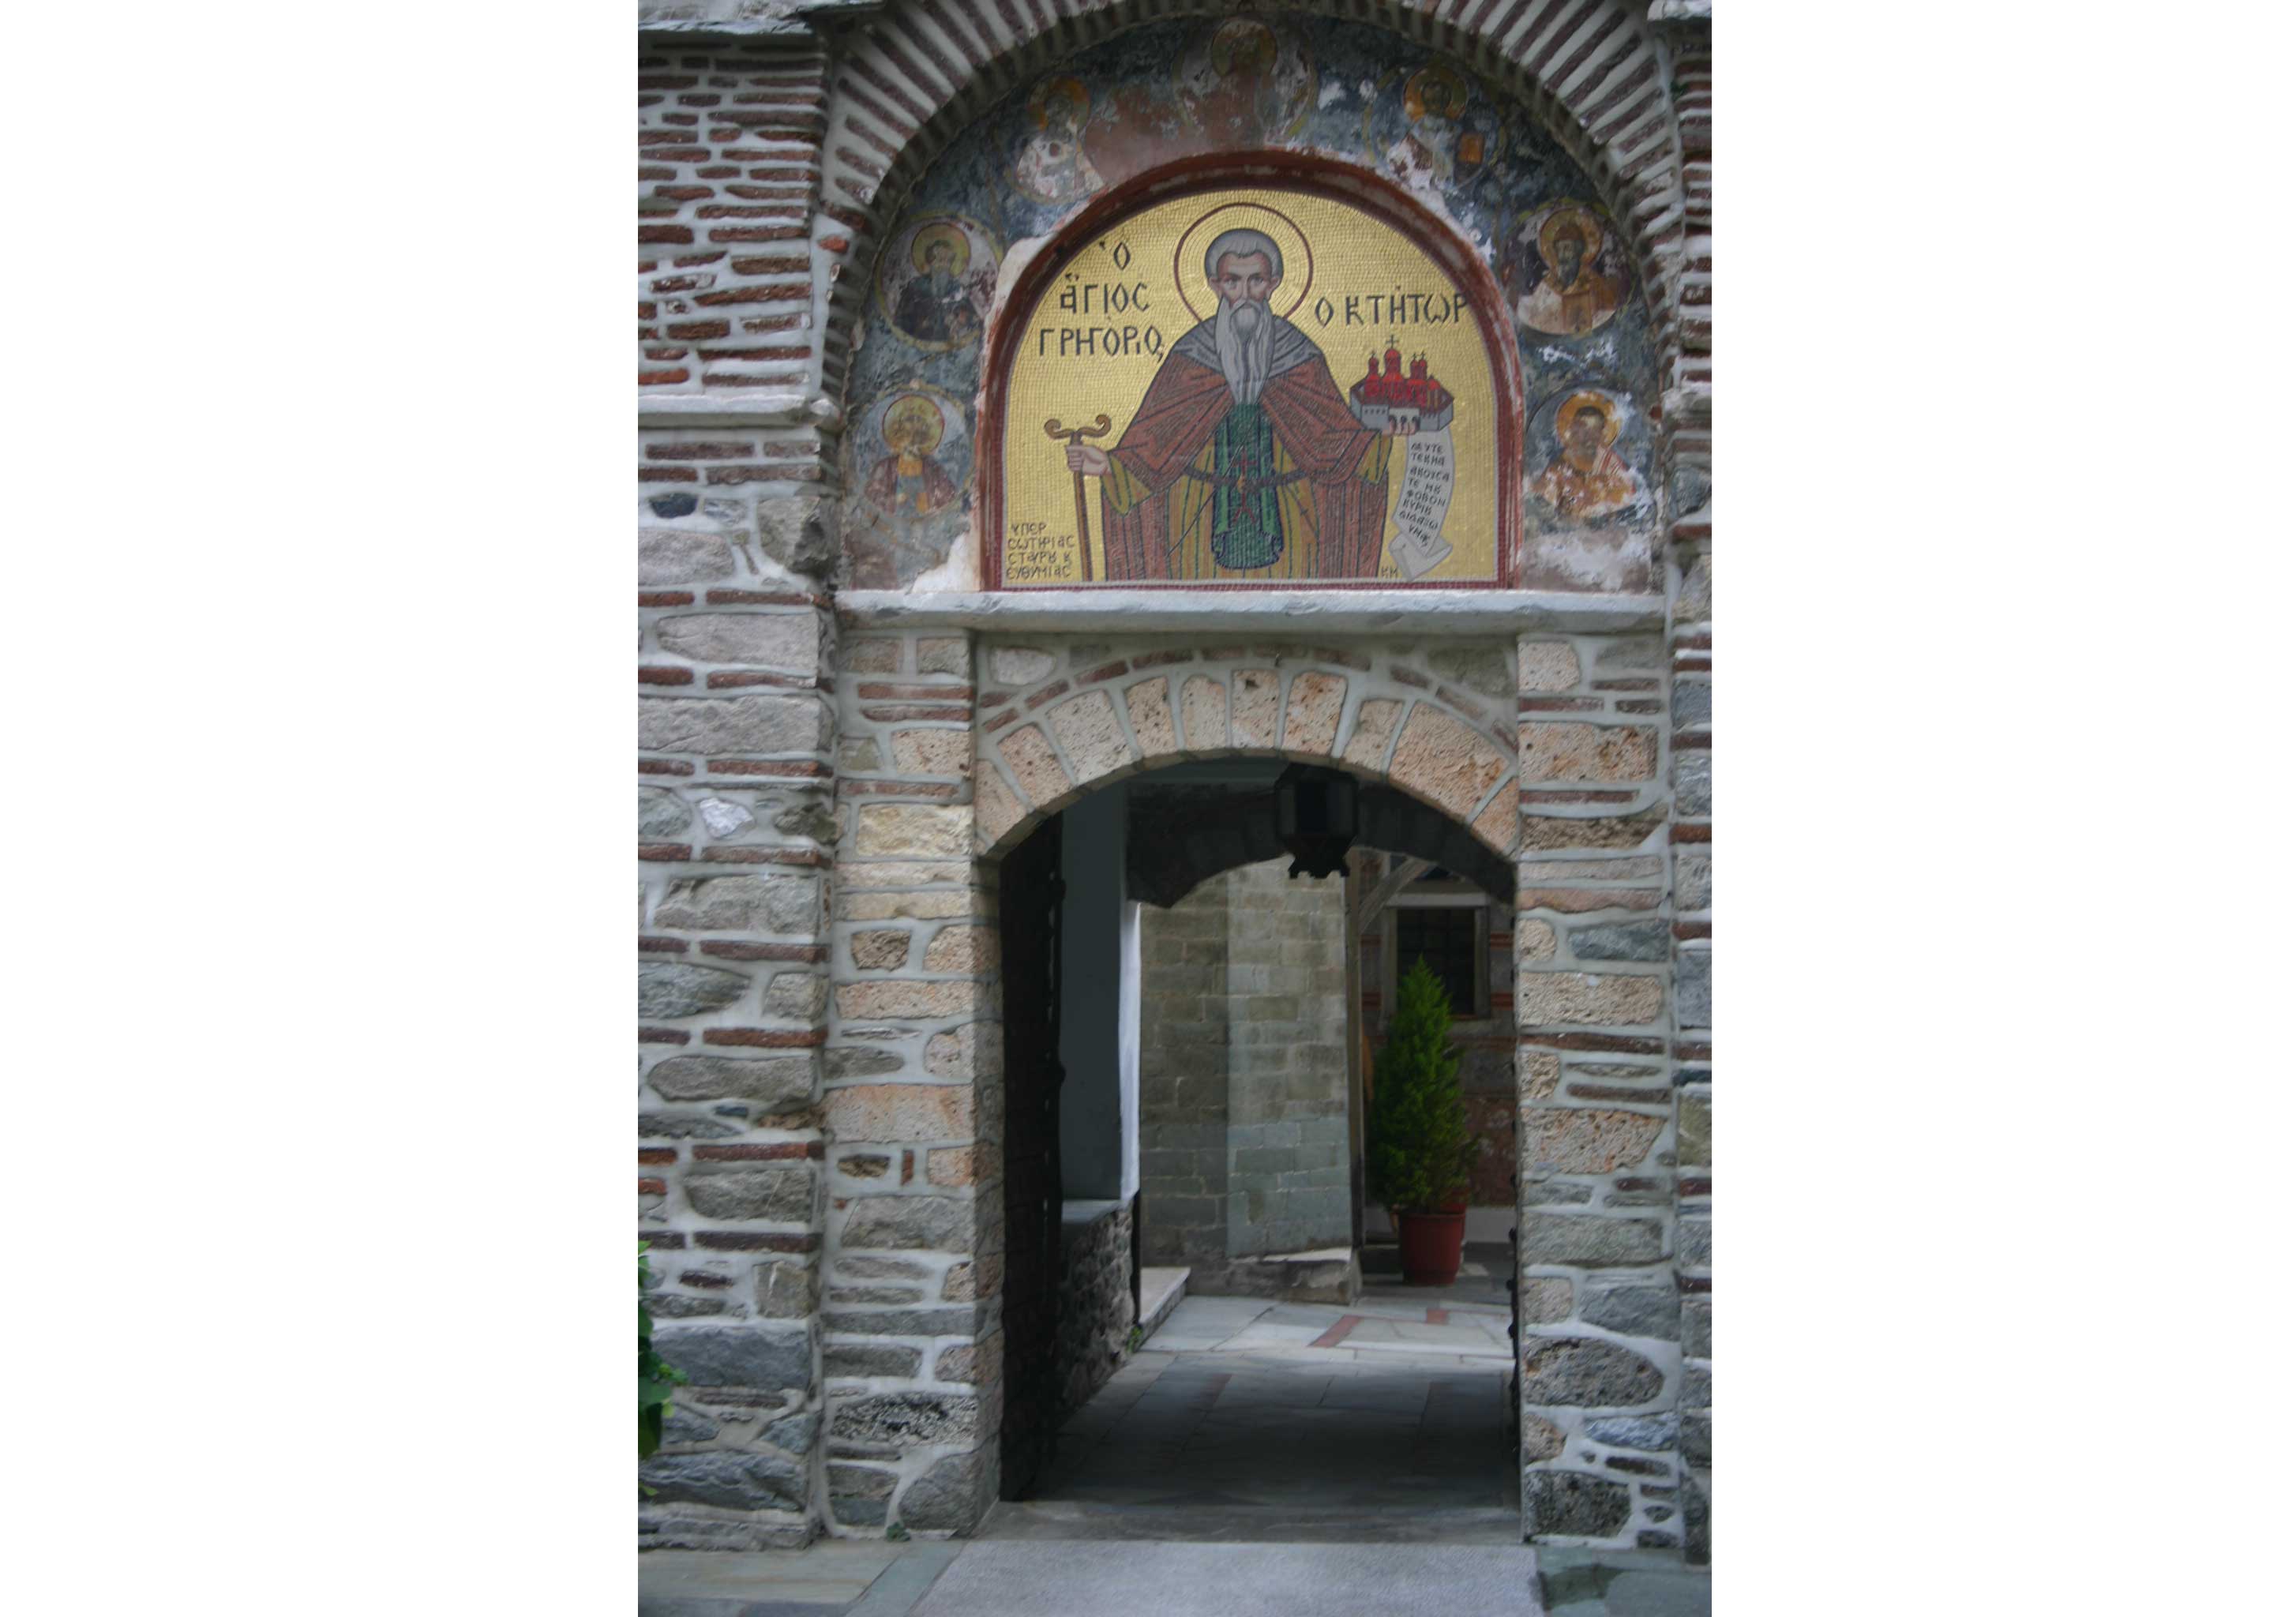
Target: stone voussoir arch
1190 836
910 78
1042 742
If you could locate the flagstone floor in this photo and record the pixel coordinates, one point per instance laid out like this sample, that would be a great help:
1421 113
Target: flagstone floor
1244 1421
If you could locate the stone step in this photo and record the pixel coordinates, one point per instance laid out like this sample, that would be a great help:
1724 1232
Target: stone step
1161 1291
1328 1274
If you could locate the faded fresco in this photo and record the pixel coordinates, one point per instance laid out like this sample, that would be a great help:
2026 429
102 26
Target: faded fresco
1246 386
938 280
1301 486
1585 475
917 449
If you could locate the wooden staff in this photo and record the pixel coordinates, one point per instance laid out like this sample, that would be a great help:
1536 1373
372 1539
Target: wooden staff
1054 430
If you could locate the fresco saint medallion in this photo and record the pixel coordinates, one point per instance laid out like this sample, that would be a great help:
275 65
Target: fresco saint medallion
1246 83
1432 127
1587 477
912 456
938 279
1569 268
1051 164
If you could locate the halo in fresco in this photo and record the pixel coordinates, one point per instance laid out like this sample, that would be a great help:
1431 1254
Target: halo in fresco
1291 241
1567 262
1051 165
1434 126
1585 477
938 279
1246 83
911 456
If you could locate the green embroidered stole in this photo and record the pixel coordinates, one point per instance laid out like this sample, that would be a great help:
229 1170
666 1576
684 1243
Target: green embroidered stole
1247 523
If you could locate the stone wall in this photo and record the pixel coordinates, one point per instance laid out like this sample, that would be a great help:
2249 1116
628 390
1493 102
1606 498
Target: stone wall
1287 1187
1603 1130
734 822
1690 632
1096 1303
1184 1150
913 1244
859 1057
1243 1106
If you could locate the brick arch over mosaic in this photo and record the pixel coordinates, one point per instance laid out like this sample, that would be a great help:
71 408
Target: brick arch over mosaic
1345 109
1047 735
1591 72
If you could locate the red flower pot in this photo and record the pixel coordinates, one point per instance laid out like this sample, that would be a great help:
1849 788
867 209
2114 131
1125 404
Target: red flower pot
1431 1243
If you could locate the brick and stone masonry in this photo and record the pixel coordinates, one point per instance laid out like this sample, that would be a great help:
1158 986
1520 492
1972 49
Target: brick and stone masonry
822 800
1599 1304
1096 1315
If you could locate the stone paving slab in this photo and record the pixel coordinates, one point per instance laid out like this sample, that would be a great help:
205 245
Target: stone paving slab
1149 1520
1201 1323
1024 1578
901 1586
1295 1445
1621 1583
825 1577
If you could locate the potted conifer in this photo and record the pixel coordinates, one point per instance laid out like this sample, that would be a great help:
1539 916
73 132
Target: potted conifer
1416 1155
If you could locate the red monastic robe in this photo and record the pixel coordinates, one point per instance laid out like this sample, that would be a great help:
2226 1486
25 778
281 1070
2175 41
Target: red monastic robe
1333 516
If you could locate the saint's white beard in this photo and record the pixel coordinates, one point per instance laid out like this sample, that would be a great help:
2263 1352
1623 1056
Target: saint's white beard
1245 333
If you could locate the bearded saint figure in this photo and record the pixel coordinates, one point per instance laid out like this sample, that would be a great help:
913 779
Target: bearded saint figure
1244 460
936 305
1588 479
1574 295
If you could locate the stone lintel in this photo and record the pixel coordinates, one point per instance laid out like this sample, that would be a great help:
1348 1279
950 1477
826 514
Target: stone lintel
1256 611
795 31
735 408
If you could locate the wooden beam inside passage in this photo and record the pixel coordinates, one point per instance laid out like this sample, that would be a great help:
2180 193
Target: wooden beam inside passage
1406 872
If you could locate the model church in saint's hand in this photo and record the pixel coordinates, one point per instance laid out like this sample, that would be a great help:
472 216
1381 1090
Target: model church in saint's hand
1386 397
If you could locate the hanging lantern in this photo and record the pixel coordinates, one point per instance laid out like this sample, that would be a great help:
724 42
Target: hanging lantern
1315 819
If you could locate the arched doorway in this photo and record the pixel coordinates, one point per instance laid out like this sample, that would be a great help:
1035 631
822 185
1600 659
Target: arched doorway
1225 1102
919 1199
